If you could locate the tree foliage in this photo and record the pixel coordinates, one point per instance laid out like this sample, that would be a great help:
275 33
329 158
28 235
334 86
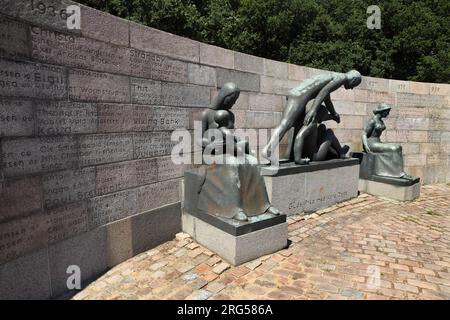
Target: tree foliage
413 43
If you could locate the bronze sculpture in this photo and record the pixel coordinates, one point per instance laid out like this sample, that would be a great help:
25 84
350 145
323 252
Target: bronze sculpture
318 88
234 189
389 157
315 142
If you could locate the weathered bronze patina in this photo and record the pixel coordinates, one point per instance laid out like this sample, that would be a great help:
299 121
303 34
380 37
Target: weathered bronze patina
233 187
311 140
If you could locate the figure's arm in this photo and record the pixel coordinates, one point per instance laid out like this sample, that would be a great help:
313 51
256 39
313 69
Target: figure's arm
329 105
202 141
367 131
322 96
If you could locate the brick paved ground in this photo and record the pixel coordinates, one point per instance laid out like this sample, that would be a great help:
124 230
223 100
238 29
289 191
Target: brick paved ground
335 253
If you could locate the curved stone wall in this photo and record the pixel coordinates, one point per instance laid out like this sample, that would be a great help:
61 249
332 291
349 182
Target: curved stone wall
85 123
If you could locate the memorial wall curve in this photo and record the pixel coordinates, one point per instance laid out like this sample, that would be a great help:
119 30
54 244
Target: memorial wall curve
86 117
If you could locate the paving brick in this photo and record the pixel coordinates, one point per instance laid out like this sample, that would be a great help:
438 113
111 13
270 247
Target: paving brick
406 287
221 267
215 287
423 271
313 269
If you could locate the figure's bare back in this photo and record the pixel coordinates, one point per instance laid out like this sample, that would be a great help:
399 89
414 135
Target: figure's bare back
314 84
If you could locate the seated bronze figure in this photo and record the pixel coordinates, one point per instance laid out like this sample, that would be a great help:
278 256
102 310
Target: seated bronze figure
234 188
388 156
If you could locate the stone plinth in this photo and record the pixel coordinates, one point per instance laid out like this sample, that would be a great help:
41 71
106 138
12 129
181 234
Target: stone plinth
236 249
235 241
298 189
383 189
395 188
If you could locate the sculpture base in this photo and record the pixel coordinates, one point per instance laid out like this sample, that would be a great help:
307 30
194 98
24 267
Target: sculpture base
235 241
237 249
298 189
367 170
405 192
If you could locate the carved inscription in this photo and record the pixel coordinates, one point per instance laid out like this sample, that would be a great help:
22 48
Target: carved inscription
152 144
100 148
116 177
125 175
158 195
420 100
115 117
63 187
160 118
317 202
65 118
148 65
106 209
71 50
95 86
30 155
31 80
21 236
168 170
145 91
16 117
67 221
146 171
44 12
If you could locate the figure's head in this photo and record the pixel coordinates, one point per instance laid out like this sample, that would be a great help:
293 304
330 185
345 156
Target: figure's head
226 97
222 118
353 79
383 110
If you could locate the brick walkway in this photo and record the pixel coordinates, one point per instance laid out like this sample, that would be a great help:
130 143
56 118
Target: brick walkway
335 253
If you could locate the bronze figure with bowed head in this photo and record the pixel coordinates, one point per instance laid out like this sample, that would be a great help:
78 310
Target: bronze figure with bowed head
316 142
219 116
390 157
235 189
317 88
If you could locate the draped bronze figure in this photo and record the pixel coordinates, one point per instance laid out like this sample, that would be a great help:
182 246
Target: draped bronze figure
389 157
234 189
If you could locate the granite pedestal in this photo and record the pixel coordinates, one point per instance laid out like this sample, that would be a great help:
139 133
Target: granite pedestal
298 189
235 241
395 188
